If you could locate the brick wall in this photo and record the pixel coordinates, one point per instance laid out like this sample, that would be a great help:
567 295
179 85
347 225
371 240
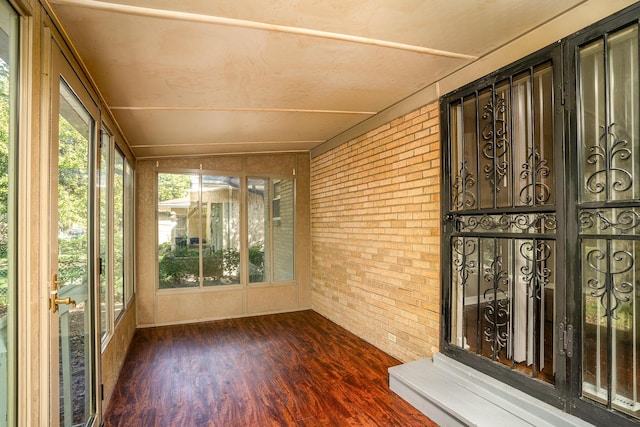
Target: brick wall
375 214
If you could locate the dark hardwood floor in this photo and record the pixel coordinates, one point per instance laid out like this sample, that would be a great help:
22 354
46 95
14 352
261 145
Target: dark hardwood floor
293 369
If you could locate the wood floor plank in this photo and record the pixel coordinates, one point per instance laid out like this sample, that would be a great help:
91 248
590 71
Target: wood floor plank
293 369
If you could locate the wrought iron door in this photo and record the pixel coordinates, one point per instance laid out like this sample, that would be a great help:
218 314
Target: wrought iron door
504 297
541 201
607 170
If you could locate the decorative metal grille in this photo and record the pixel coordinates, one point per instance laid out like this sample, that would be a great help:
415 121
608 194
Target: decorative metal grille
534 171
609 218
608 178
504 222
463 184
496 312
513 223
537 271
495 137
612 221
611 265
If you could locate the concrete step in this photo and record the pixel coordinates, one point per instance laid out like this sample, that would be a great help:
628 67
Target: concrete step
453 394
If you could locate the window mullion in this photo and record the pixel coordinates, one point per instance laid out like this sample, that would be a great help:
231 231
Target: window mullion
200 233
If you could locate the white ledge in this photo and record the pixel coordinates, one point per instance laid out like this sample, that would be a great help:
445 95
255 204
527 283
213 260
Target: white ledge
453 394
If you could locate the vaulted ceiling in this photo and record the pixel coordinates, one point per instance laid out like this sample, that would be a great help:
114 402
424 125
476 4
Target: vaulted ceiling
198 77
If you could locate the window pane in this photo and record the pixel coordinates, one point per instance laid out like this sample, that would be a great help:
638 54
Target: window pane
259 238
8 91
74 169
220 222
592 121
625 124
118 233
178 260
271 214
282 231
105 311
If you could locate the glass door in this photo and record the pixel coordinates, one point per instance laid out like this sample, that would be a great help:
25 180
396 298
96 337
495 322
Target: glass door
8 134
72 285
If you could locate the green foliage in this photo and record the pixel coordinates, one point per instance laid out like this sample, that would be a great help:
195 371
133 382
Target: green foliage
173 186
256 263
73 177
72 260
175 266
5 123
220 264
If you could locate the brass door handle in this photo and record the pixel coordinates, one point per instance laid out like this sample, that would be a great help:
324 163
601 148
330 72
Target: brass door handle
67 300
54 301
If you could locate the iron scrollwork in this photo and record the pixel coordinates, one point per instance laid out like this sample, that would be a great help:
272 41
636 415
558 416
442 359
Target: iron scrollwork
463 249
497 145
536 272
464 181
615 178
505 222
496 312
611 293
624 222
534 171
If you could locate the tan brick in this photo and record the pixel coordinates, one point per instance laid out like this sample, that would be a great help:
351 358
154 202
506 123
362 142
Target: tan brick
375 234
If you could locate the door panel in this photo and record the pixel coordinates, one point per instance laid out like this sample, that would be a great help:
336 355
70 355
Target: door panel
608 216
542 246
504 163
72 249
8 127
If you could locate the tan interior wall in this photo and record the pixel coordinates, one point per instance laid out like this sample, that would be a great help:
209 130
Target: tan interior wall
170 306
114 353
375 205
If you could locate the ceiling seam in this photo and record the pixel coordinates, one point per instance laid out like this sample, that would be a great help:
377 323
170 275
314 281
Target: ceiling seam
242 109
208 144
234 153
218 20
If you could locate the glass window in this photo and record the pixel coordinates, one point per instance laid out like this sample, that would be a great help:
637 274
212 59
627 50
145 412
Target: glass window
282 230
105 299
118 233
220 225
259 229
198 230
8 126
271 230
177 259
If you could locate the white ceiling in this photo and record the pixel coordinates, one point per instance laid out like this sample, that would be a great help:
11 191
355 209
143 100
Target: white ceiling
198 77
